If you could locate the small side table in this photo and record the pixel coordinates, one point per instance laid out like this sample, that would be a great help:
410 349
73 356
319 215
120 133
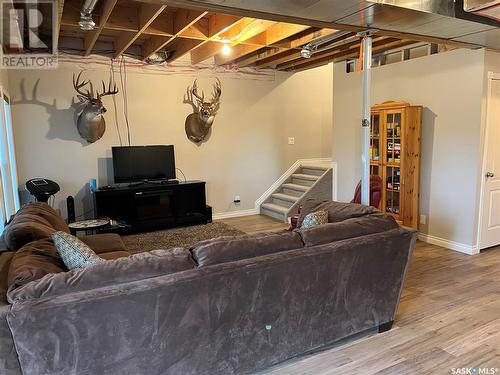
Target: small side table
89 226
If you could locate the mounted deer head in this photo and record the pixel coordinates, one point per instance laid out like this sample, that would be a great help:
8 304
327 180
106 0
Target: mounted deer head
90 123
199 122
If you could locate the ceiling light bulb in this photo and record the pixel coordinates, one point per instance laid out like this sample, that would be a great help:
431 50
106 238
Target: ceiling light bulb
226 49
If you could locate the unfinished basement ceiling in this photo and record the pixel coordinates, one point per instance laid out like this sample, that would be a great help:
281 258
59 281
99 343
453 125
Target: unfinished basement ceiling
146 29
269 34
441 21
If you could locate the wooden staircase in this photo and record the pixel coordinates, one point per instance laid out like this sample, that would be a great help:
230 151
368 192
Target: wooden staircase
307 181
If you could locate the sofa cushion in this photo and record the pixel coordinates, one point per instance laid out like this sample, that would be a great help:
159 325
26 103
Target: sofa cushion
227 249
104 243
349 228
337 211
48 213
110 255
33 261
74 253
118 271
5 259
26 228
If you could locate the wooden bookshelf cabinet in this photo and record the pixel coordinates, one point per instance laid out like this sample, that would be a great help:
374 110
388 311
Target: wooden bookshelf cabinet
395 157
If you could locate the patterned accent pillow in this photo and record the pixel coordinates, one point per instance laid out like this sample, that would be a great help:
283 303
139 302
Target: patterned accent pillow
74 253
315 218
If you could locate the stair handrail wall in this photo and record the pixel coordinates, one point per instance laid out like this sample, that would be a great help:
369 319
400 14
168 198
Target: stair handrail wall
295 207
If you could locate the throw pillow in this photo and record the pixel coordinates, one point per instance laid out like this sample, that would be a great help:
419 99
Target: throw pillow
315 218
74 253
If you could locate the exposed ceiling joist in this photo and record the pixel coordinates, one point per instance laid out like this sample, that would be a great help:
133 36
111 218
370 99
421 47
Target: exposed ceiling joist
346 44
265 42
261 54
107 7
241 31
147 14
378 47
294 53
278 32
183 19
217 24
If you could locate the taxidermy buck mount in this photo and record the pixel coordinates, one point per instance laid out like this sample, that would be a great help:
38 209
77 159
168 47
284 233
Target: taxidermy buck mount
199 123
90 123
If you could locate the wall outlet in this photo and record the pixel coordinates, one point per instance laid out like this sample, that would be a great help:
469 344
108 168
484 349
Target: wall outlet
423 219
291 140
237 199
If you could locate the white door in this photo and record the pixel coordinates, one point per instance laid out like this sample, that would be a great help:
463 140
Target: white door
490 216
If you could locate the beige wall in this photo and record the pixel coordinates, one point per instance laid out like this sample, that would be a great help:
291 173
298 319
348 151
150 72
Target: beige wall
4 78
449 87
246 153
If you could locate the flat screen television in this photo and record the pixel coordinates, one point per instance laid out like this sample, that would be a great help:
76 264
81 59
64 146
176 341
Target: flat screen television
139 163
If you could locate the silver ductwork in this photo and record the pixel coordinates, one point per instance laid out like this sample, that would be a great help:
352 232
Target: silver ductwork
86 21
327 42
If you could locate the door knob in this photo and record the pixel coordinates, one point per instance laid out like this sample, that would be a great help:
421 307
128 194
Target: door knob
489 174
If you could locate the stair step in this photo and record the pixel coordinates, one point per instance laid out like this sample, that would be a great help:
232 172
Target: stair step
285 197
302 176
275 207
297 187
314 170
317 167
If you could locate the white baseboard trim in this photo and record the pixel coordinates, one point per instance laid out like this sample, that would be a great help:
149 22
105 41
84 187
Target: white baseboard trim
452 245
227 215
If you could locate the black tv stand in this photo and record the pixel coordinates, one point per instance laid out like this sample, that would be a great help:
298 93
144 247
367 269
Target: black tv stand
152 182
152 205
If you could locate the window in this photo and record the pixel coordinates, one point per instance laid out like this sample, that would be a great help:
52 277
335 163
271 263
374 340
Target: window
9 196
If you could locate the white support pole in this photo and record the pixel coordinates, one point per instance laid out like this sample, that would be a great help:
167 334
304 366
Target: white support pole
366 117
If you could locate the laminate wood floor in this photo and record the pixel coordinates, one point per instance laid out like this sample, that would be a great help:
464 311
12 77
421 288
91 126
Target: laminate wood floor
255 224
448 318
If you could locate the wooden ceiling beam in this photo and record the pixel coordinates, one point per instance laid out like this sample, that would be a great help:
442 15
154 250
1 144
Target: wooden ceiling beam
217 24
294 52
261 54
147 14
242 31
180 46
275 34
107 7
387 47
183 19
353 52
350 42
163 25
236 52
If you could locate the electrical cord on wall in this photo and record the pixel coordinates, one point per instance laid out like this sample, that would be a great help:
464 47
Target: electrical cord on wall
123 81
112 73
183 175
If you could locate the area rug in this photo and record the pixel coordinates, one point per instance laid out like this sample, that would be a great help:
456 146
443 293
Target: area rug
178 237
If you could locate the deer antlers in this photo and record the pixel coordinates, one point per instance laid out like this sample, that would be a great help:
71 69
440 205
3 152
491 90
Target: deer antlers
89 94
215 95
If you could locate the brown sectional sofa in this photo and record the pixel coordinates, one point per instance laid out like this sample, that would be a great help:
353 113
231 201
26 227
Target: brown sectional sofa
231 305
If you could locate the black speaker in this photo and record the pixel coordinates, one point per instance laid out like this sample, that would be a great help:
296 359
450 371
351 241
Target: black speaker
70 205
208 213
